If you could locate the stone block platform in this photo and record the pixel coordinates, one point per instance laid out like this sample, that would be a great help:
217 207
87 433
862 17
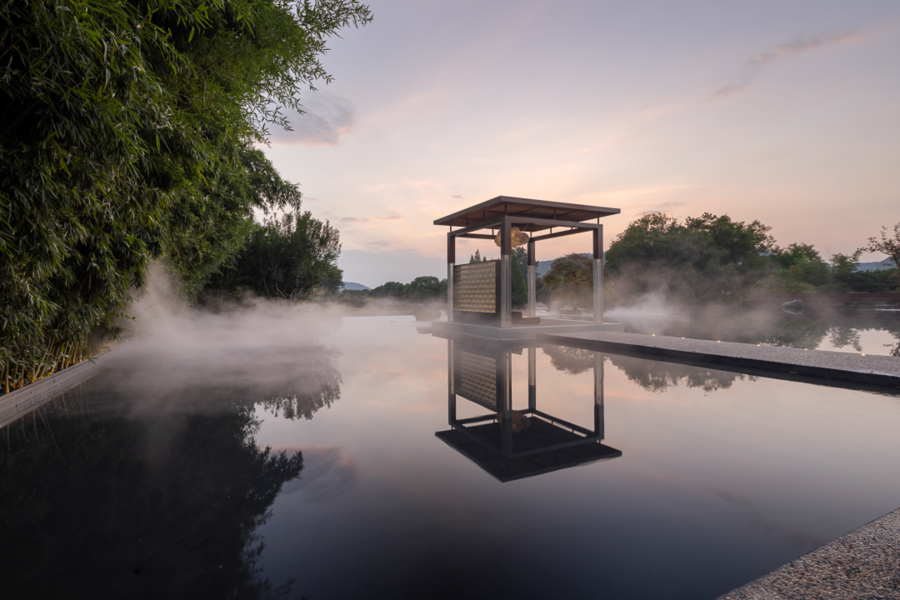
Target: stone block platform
522 332
842 369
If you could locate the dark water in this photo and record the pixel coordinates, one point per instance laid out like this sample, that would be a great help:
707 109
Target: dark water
154 480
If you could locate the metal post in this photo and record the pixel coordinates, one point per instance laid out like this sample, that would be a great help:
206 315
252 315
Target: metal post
598 275
532 282
505 273
532 379
451 262
451 385
599 421
504 399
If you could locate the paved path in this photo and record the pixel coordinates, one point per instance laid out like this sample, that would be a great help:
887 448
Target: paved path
862 565
862 370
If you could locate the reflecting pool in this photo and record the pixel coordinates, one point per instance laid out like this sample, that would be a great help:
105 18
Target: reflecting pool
366 458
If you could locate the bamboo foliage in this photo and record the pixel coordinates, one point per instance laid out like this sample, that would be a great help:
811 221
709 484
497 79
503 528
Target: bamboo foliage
127 127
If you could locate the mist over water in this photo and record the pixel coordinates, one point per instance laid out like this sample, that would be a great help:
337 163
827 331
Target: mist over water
856 330
232 453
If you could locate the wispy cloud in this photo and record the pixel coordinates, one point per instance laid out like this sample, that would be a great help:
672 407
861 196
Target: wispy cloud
387 217
791 48
325 120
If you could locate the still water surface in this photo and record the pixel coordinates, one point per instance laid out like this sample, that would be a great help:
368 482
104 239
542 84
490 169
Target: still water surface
153 480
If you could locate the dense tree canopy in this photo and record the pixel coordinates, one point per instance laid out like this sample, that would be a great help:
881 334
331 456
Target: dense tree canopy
714 258
705 258
128 137
571 279
284 258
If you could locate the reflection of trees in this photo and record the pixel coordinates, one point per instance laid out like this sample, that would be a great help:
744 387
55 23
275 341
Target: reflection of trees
570 360
649 374
894 348
657 376
796 333
165 505
319 387
841 336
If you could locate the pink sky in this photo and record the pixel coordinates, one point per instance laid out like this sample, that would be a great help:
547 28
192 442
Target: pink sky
786 112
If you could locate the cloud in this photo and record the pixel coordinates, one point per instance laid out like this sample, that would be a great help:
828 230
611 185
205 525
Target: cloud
665 207
392 216
460 197
327 473
325 120
780 52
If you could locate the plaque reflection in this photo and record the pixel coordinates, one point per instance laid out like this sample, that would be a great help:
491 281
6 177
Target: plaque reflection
512 443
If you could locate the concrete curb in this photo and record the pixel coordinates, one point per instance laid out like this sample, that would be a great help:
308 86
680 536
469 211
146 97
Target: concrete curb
20 402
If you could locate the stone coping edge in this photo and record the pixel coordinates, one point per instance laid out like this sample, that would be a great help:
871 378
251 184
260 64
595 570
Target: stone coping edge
22 401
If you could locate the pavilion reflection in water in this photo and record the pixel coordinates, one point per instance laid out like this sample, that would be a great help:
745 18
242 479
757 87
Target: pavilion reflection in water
514 444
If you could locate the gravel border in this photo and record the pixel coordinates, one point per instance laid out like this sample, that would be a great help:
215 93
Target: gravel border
861 565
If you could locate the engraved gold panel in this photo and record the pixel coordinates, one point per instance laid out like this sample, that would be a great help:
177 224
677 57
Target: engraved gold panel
475 287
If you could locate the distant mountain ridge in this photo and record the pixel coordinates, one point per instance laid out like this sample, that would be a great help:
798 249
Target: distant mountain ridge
875 265
349 285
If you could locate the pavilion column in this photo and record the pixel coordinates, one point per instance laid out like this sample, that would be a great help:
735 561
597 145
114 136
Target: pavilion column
451 385
532 282
532 379
598 275
505 273
504 399
599 421
451 262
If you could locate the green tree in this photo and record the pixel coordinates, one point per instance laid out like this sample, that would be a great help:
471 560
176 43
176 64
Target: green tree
571 279
390 289
742 243
709 258
474 258
518 263
205 231
886 245
425 288
129 123
285 258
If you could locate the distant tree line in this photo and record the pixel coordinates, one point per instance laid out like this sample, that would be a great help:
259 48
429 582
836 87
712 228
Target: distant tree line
421 289
708 259
716 259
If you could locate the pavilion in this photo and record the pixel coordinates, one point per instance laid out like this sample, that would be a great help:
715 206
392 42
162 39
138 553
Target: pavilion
480 294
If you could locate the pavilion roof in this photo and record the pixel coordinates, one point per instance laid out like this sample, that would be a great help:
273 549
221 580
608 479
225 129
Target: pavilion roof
525 207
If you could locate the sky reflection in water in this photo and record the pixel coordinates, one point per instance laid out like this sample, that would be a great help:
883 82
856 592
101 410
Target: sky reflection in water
722 478
153 480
